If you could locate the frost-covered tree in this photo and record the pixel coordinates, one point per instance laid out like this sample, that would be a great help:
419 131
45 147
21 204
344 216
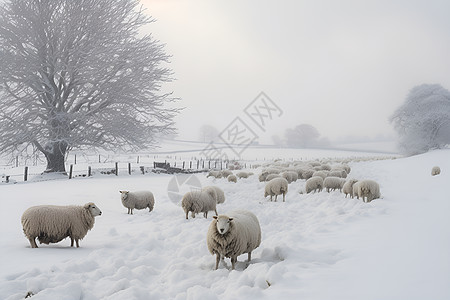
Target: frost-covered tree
423 120
208 133
302 136
80 74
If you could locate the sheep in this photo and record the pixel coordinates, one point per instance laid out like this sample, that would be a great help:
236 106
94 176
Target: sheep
233 234
435 171
306 174
198 201
232 178
266 172
355 190
333 183
321 173
215 192
137 200
272 176
275 187
52 223
226 173
368 190
338 173
243 174
215 174
290 176
314 184
347 189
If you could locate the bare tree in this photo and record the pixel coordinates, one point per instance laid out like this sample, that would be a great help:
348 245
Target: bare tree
80 74
423 120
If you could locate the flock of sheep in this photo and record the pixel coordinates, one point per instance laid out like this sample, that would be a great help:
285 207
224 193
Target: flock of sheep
237 232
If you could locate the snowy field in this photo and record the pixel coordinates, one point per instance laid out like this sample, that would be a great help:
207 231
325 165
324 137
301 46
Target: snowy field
314 246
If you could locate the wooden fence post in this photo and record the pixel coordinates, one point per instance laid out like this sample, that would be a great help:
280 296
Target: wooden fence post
75 159
70 171
25 175
89 171
129 168
117 169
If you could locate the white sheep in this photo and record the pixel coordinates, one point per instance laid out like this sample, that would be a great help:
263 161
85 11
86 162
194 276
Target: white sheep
233 234
290 176
368 190
52 223
321 173
272 176
266 173
275 187
314 184
355 190
338 173
225 173
347 189
243 174
232 178
435 171
197 202
333 183
137 200
215 192
214 173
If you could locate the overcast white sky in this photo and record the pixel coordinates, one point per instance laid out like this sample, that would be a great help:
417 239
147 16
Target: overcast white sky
341 66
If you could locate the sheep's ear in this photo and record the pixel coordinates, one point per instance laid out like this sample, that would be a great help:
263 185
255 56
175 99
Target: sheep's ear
215 217
230 219
87 205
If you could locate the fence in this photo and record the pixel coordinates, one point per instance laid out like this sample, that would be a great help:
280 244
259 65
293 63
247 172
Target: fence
86 170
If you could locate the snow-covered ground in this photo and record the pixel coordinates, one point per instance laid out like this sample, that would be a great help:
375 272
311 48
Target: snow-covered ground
319 246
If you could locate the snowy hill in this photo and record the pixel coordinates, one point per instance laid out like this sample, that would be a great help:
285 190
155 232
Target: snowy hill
314 246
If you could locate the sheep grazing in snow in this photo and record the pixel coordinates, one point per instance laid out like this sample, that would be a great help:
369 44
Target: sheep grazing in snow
322 174
215 174
333 183
243 174
233 234
368 190
232 178
338 173
215 192
137 200
52 224
290 176
272 176
435 171
347 189
314 184
267 172
226 173
275 187
197 202
355 190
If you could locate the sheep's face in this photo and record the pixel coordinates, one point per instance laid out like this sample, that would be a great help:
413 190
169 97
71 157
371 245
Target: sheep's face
93 209
123 194
222 223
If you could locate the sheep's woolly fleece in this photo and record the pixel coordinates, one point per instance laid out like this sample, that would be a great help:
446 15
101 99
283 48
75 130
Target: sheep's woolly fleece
313 246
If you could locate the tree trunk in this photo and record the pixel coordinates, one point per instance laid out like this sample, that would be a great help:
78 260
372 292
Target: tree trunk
55 155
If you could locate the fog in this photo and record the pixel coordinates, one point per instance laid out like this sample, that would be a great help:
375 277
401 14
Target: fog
341 66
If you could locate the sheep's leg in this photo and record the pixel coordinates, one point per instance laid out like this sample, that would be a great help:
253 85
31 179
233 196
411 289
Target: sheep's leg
217 260
233 262
249 256
33 242
284 197
71 241
76 241
187 213
216 212
205 214
276 198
